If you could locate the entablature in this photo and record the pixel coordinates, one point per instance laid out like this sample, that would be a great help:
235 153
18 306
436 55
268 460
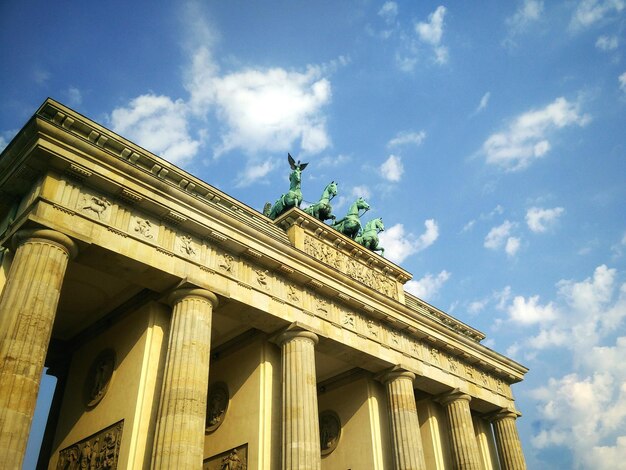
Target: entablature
97 177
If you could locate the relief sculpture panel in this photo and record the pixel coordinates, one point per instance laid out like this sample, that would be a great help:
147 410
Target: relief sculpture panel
352 268
95 206
98 452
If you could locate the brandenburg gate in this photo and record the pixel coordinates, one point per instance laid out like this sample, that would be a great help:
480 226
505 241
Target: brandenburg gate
187 330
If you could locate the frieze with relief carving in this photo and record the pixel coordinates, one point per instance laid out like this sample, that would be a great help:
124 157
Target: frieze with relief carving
98 452
352 268
94 206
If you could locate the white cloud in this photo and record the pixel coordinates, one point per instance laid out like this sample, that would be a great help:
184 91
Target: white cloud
526 138
428 286
539 220
589 12
431 32
389 11
158 124
528 12
361 191
586 413
407 138
254 173
607 43
512 246
271 110
3 143
398 245
41 76
334 160
528 312
477 306
484 101
259 110
622 82
584 409
392 168
74 96
498 235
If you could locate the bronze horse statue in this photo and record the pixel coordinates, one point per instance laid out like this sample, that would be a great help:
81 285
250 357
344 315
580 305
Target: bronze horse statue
369 237
322 210
350 224
293 198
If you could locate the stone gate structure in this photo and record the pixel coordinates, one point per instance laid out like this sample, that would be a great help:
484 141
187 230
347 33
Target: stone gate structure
189 331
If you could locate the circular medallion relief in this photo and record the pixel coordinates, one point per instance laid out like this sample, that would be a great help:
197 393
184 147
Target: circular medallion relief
99 377
217 404
330 431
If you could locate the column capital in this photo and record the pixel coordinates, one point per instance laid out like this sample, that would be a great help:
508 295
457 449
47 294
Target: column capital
396 373
504 413
182 293
58 238
454 395
290 335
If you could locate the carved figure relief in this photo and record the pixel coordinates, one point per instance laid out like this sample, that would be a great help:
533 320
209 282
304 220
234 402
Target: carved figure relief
98 452
434 356
99 377
348 319
232 459
217 404
372 328
322 306
226 263
292 294
395 337
186 245
261 278
330 431
96 204
416 348
454 365
483 378
144 227
350 267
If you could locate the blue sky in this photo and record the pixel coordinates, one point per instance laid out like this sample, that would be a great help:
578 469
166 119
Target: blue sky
491 137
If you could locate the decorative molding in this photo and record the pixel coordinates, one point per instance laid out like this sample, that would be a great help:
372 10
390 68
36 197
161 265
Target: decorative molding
78 172
174 218
130 196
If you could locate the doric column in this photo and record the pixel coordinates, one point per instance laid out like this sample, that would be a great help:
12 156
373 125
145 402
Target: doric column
408 453
507 441
464 447
179 441
27 310
301 435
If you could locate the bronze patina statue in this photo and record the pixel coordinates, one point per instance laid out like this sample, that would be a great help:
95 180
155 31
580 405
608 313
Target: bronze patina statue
350 224
369 237
293 198
322 210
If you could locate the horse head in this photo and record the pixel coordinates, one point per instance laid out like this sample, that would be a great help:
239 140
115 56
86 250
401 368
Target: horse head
361 204
331 189
378 224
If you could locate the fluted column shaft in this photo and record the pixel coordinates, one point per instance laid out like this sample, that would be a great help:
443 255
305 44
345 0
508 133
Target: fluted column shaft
179 441
508 442
408 452
27 310
465 454
301 436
